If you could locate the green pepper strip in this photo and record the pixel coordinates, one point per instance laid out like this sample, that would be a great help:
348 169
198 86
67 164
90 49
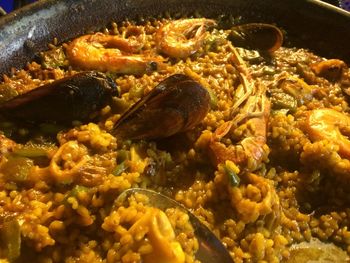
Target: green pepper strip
120 169
232 176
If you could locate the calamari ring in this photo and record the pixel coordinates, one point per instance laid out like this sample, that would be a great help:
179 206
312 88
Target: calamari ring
258 198
68 161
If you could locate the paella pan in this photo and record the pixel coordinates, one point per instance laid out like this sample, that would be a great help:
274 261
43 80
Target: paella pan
240 121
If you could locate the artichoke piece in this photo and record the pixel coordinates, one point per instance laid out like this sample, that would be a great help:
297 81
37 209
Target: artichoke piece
7 92
295 87
34 150
281 100
17 169
54 58
10 239
316 251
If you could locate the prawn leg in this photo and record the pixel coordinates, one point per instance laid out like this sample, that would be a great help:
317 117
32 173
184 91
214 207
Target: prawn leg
251 109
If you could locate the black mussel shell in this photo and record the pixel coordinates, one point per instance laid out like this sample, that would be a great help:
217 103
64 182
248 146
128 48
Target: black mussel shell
64 100
258 36
176 104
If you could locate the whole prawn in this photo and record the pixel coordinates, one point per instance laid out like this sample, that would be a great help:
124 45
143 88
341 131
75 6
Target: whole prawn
111 53
252 109
184 37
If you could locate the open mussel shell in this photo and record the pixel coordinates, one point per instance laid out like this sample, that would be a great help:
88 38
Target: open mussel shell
176 104
64 100
259 36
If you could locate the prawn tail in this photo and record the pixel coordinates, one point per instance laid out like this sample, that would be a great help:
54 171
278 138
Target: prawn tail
256 150
137 65
219 153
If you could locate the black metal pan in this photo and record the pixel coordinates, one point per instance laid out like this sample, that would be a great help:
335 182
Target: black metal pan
312 24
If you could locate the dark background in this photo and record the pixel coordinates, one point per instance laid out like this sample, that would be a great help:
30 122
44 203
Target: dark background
9 5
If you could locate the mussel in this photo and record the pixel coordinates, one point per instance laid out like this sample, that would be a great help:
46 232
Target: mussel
176 104
258 36
64 100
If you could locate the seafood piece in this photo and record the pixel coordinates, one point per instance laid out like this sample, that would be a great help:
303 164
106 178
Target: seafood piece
110 53
161 235
210 249
250 208
176 104
184 37
6 145
330 69
264 37
149 225
72 163
250 111
330 125
64 100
